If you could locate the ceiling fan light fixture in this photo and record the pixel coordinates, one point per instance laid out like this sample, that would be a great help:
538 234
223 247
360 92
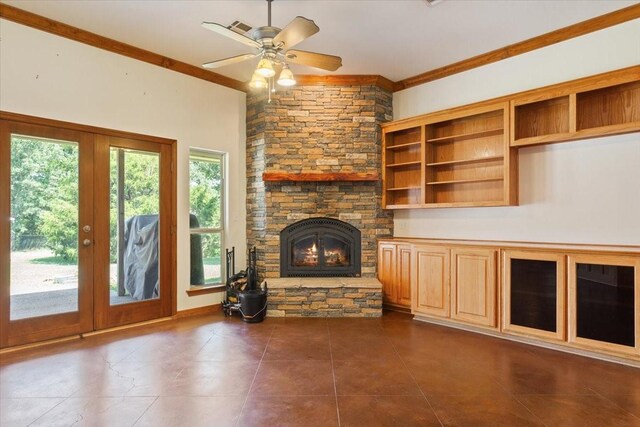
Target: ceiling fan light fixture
265 68
286 77
258 81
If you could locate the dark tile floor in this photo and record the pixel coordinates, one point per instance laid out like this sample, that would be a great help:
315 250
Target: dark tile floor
392 371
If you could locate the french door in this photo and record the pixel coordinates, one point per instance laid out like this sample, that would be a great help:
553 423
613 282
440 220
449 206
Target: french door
86 226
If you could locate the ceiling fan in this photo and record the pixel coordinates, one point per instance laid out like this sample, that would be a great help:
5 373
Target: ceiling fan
274 49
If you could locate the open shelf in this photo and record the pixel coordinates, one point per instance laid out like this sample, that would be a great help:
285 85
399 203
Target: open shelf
404 146
541 118
466 161
403 164
597 106
464 181
469 135
403 137
609 106
417 187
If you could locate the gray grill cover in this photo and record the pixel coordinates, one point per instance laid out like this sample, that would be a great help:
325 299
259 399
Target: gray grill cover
141 256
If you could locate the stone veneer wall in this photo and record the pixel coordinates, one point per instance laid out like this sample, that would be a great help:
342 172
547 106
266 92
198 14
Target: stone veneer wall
315 128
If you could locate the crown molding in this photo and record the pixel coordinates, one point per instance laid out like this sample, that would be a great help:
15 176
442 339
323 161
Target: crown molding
553 37
63 30
73 33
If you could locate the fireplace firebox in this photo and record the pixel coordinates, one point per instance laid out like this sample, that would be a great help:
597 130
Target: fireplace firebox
320 247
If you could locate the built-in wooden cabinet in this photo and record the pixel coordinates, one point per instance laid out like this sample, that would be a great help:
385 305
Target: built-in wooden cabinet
571 296
467 156
402 166
394 272
534 290
474 285
430 282
607 104
459 158
387 269
604 305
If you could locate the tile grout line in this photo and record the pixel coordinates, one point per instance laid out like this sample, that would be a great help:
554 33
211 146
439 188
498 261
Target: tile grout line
255 376
596 393
51 409
145 411
515 397
424 396
333 374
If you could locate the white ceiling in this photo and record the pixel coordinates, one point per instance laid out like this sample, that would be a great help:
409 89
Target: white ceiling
394 38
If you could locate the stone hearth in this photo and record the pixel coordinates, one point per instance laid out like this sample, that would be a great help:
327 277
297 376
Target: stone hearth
324 297
315 129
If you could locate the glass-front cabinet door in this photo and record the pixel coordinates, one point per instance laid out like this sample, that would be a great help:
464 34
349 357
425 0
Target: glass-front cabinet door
534 293
604 308
46 233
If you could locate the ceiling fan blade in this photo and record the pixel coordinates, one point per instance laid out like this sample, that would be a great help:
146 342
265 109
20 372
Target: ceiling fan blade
229 61
222 30
295 31
318 60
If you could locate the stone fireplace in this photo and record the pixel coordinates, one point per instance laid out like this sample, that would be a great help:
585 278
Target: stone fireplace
320 247
332 130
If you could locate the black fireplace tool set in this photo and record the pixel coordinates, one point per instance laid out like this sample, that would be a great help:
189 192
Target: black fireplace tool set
243 293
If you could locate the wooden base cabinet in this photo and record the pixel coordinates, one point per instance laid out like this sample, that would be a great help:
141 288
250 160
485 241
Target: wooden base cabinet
473 285
534 294
394 272
604 305
430 280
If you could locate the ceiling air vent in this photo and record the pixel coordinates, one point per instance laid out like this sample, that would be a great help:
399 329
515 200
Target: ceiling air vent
240 27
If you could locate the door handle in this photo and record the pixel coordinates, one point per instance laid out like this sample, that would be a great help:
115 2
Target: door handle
86 242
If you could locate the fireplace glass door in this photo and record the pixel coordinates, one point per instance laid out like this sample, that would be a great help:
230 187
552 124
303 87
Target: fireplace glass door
320 247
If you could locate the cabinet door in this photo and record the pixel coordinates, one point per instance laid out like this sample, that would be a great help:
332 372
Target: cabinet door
534 293
403 289
604 307
430 280
473 285
387 270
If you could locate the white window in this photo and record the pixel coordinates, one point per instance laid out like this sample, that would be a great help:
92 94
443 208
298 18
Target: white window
206 219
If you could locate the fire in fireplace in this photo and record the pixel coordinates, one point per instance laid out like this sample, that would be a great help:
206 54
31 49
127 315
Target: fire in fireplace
320 247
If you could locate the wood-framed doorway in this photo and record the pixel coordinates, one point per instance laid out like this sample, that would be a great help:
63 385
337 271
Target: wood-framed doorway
90 297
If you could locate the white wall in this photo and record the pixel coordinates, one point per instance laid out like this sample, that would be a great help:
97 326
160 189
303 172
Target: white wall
572 192
48 76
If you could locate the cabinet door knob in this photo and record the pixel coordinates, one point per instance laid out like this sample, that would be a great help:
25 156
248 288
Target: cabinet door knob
86 242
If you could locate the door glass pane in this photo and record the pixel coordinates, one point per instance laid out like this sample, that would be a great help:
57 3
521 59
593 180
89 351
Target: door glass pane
605 296
44 227
533 294
134 219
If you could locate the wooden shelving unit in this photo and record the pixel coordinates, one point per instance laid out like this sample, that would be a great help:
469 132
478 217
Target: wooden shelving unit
467 159
458 159
467 156
607 104
402 163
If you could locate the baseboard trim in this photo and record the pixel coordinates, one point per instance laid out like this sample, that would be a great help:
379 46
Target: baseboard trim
39 344
124 327
198 311
529 341
397 308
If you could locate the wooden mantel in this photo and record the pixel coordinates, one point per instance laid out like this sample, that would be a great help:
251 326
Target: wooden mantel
319 176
